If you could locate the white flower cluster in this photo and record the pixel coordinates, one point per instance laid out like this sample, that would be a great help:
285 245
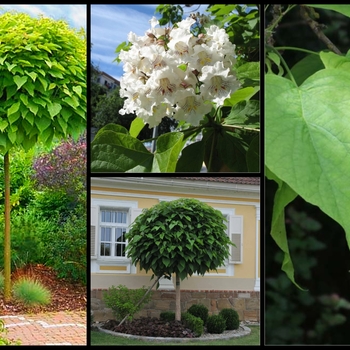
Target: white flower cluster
171 72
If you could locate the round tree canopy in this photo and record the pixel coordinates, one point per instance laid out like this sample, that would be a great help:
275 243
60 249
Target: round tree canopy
42 80
184 236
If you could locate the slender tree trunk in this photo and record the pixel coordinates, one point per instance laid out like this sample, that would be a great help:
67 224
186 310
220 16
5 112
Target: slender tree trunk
178 300
7 241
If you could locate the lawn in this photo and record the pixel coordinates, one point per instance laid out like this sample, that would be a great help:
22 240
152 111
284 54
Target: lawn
100 338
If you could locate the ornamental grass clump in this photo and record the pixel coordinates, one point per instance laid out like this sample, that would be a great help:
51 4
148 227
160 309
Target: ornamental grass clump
31 292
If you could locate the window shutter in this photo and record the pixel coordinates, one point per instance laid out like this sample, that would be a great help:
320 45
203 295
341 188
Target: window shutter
135 212
93 231
236 236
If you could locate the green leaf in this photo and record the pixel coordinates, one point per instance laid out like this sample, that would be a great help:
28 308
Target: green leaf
24 99
241 95
136 126
43 82
306 67
332 60
192 158
307 139
166 262
232 151
20 81
54 109
343 9
14 108
78 90
250 70
3 124
169 146
29 86
42 123
33 108
284 195
119 152
33 75
29 143
245 113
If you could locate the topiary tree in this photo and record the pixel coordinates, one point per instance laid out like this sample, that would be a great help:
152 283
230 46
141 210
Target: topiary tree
42 91
184 236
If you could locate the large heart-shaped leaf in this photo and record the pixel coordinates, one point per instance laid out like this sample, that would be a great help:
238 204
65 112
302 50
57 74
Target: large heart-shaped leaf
307 139
119 152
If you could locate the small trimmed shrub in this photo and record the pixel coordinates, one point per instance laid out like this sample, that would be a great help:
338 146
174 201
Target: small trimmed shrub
231 317
195 324
31 292
216 324
167 316
123 300
200 311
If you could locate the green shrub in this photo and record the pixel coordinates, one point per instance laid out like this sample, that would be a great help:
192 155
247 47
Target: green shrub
65 247
31 292
231 317
27 230
3 340
123 300
200 311
167 316
216 324
195 324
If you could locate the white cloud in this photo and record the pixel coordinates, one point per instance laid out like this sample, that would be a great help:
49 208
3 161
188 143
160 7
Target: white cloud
74 15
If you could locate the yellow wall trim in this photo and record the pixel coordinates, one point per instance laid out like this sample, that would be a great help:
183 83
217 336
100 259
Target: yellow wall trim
113 268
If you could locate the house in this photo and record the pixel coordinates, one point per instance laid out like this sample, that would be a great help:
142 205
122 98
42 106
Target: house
107 80
116 202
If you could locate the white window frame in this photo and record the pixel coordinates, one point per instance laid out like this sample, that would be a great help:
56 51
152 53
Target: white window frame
101 204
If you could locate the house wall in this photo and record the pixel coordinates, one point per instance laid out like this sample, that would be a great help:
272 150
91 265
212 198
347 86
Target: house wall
246 303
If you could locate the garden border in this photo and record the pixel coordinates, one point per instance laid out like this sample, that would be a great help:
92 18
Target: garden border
223 336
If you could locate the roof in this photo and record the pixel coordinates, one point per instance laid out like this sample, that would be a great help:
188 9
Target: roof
235 180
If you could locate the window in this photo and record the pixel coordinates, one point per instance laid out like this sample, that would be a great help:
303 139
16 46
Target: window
113 228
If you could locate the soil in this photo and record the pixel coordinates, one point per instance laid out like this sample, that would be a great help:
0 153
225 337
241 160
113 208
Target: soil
150 327
65 295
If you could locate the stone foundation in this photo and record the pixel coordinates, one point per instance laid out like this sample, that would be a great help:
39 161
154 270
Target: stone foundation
246 303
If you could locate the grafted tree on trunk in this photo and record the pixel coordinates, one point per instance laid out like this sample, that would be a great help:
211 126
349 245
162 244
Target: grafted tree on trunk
42 92
180 237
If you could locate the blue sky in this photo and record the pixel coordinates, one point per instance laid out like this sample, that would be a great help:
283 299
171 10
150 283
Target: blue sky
74 15
110 26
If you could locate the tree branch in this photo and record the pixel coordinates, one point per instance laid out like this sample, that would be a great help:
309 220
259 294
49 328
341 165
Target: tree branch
317 29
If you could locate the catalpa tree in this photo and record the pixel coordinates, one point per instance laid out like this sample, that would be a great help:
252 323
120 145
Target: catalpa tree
42 91
184 236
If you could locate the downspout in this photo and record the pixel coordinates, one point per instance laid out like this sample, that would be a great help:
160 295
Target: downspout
257 278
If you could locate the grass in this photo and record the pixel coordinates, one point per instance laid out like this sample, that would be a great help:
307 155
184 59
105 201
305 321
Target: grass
31 292
100 338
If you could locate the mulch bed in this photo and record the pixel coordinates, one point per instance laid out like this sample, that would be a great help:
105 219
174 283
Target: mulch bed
65 295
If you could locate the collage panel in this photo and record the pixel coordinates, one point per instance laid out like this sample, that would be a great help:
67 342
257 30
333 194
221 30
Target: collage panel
175 259
175 88
307 162
43 165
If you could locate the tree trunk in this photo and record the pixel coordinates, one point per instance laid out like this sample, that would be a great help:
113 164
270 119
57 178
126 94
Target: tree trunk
7 241
178 301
